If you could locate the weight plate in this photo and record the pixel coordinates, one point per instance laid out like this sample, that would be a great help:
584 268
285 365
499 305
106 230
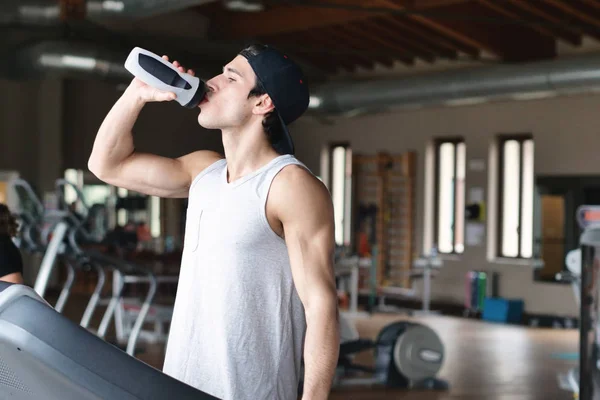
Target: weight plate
418 353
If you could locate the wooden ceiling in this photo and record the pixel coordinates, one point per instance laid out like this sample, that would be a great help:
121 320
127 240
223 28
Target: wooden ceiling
334 35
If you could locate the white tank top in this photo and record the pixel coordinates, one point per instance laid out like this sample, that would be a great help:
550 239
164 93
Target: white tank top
238 324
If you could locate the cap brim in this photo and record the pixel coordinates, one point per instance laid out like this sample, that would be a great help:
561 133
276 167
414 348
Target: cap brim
285 145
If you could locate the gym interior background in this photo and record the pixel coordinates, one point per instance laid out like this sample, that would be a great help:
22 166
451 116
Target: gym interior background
456 137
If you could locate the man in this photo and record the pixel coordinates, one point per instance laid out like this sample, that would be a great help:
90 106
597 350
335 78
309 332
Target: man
256 290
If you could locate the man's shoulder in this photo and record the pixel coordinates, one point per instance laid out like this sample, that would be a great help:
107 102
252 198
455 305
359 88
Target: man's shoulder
297 176
206 156
296 187
198 161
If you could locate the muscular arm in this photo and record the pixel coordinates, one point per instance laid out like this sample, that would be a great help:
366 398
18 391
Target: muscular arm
115 161
304 207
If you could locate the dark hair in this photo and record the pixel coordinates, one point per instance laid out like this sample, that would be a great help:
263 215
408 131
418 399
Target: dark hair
8 223
271 123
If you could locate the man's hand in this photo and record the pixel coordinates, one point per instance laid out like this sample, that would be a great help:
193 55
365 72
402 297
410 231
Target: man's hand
304 207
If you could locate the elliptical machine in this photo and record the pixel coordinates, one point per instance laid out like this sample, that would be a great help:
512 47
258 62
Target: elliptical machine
407 355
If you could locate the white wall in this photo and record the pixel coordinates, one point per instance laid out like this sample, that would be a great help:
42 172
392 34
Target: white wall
567 141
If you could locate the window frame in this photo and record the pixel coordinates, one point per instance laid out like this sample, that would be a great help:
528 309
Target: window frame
438 142
345 213
501 140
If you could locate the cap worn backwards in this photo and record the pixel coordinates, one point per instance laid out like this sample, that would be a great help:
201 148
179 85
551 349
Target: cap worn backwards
286 85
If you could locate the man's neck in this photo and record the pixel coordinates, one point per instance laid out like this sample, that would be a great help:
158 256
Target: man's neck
246 151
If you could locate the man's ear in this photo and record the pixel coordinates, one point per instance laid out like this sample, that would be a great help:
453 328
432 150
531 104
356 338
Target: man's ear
263 105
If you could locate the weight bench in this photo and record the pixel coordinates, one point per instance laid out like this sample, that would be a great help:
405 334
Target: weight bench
43 355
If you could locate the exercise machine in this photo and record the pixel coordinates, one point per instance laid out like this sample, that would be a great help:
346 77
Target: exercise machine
347 271
130 309
124 272
407 355
583 267
42 232
59 232
74 254
43 355
29 216
425 267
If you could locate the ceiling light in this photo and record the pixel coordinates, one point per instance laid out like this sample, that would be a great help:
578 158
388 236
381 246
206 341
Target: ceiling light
244 5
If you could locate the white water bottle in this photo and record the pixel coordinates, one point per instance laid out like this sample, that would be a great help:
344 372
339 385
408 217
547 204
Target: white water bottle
163 75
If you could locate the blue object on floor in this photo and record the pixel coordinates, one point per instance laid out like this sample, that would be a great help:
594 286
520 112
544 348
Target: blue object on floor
566 356
497 309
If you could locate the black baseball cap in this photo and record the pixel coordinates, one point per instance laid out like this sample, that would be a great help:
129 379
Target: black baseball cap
285 83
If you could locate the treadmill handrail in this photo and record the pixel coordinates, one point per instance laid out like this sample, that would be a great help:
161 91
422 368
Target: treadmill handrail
127 268
32 196
62 183
124 266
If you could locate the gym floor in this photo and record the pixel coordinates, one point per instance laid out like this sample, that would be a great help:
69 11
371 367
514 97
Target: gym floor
483 360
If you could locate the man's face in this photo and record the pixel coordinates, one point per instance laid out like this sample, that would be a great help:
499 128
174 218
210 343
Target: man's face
227 104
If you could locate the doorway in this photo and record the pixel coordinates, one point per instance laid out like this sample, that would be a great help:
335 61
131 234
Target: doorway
553 235
557 232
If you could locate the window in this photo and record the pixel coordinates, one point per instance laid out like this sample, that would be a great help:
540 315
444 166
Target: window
155 223
340 175
450 160
515 207
74 176
122 214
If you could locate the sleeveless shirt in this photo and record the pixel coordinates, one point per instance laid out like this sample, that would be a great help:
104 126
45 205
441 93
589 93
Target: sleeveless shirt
238 324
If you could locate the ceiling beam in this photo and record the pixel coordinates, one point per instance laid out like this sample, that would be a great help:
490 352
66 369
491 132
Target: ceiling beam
300 15
467 36
382 41
362 45
550 21
430 3
340 51
504 8
592 3
312 63
389 38
575 12
467 43
310 48
512 43
559 17
281 19
426 37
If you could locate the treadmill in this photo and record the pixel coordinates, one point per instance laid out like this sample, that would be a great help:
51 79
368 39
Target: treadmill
43 355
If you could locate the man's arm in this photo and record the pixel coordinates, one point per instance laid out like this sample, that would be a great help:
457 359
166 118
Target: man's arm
304 207
115 161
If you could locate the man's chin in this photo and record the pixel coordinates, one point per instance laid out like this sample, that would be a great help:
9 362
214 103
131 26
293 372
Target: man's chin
204 123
